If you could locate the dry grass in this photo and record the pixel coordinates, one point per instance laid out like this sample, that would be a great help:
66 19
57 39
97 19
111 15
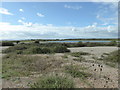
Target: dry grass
19 65
53 81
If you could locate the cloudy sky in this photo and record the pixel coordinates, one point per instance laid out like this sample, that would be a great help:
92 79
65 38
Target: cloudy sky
50 20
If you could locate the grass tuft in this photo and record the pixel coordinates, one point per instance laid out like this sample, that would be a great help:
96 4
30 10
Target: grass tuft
74 71
23 65
78 54
53 82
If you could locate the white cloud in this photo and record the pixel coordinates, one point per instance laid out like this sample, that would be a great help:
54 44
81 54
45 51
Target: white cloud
20 21
104 14
72 7
5 11
36 30
4 23
28 24
23 18
40 15
21 10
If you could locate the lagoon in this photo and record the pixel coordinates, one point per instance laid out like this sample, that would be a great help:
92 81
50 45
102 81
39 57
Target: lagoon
80 41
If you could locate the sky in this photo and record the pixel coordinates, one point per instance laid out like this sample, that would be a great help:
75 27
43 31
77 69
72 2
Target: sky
58 20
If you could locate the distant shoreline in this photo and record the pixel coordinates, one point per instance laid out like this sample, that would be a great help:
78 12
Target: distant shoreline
91 39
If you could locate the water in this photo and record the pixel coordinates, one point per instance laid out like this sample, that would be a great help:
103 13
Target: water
81 41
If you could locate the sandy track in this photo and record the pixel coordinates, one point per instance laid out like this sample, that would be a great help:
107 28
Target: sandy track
97 51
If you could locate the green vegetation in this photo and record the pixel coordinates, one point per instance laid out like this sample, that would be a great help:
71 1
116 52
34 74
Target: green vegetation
118 44
23 65
105 53
113 43
107 39
36 49
111 59
79 59
65 56
32 47
80 44
60 49
75 71
15 65
78 54
36 41
18 62
17 49
7 43
17 42
53 82
90 44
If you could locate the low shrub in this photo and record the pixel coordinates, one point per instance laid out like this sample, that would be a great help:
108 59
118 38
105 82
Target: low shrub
118 44
65 56
80 44
46 50
36 41
19 47
78 54
93 44
15 65
15 49
76 72
113 57
79 59
7 44
36 49
53 82
112 43
17 42
60 49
